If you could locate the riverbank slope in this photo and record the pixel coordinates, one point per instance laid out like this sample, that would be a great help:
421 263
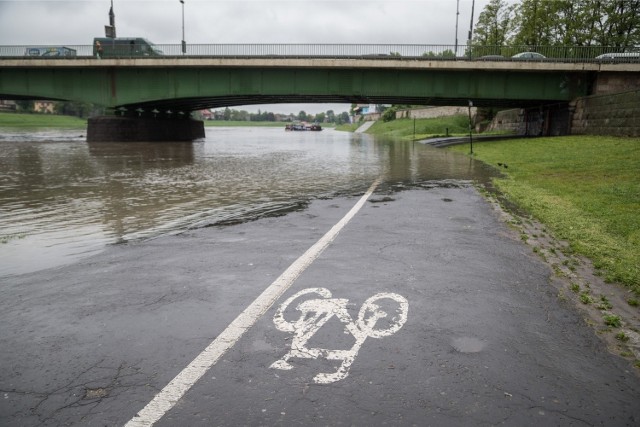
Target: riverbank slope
34 121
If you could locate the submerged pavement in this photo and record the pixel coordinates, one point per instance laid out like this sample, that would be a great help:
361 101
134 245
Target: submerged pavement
424 309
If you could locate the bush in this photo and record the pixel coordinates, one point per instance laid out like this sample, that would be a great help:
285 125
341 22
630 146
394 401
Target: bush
389 114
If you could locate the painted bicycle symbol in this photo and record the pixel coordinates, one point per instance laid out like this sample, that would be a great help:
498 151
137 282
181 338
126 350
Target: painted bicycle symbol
314 313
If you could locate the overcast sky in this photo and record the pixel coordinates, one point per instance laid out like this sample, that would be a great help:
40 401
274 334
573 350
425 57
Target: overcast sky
77 22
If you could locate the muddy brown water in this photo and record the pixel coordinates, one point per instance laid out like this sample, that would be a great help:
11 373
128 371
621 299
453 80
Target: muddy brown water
62 198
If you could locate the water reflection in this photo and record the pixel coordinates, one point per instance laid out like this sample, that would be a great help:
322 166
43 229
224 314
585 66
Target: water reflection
61 198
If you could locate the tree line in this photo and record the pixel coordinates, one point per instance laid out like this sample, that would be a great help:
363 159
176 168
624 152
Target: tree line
612 23
265 116
84 110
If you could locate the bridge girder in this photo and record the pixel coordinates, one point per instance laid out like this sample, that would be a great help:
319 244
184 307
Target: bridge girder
189 88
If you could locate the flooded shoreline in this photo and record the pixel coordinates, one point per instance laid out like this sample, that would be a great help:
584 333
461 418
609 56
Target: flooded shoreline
62 199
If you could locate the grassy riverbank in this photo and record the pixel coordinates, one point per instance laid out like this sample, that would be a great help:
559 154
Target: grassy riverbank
585 189
34 121
416 129
424 128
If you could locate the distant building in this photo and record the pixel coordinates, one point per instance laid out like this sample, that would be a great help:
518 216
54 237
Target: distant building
363 109
366 112
206 114
7 105
44 106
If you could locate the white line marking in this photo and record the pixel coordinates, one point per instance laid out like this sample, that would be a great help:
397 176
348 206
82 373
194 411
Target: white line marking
173 392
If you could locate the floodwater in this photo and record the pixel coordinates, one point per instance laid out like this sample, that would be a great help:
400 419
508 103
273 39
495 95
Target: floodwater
62 198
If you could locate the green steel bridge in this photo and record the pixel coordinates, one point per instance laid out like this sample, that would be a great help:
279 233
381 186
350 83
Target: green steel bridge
209 76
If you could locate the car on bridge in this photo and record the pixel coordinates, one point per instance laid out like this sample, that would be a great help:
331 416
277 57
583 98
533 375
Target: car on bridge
529 56
50 51
491 58
624 56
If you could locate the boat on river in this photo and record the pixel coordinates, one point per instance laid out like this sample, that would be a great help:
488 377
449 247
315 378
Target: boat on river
303 127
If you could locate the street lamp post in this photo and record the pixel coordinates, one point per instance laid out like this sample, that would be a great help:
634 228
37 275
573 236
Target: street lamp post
473 4
457 15
184 43
470 127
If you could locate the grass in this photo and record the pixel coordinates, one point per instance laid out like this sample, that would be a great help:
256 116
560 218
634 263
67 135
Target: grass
424 128
621 336
30 121
612 320
586 189
348 127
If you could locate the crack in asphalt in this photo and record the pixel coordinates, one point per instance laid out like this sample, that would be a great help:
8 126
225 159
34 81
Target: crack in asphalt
85 390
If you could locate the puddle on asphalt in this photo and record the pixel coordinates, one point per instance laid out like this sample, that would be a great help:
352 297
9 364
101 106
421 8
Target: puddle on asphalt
468 345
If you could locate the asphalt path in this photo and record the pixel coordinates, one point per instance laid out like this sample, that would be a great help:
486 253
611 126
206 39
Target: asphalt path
424 309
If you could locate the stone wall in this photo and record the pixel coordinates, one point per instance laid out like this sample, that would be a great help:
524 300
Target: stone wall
420 113
549 120
508 121
617 114
433 112
613 114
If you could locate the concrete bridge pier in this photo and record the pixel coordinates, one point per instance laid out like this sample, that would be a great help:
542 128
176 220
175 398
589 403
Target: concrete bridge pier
134 129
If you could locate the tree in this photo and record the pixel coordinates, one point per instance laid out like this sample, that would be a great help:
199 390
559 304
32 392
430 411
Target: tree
331 116
621 26
25 105
343 118
240 116
77 109
227 114
495 24
448 53
390 113
320 117
614 23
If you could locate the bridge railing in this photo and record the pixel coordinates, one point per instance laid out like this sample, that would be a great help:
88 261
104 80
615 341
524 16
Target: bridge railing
366 51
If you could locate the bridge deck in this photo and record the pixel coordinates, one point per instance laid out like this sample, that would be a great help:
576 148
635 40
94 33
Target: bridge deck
370 63
187 83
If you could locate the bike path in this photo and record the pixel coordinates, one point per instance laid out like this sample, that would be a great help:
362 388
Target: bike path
485 340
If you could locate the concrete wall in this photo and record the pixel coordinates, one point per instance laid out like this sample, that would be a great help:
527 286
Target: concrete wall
433 112
369 117
617 114
611 83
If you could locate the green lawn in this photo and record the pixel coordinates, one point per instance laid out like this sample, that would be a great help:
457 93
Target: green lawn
586 189
424 128
348 127
27 121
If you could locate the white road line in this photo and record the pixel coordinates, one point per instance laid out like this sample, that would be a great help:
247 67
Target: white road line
173 392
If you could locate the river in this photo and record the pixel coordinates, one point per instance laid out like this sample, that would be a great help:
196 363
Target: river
62 198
